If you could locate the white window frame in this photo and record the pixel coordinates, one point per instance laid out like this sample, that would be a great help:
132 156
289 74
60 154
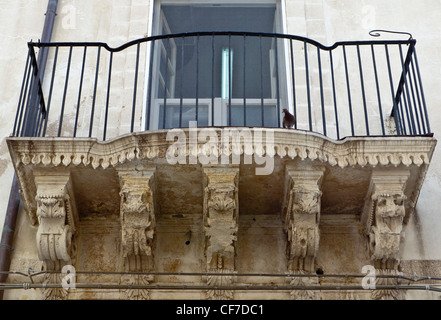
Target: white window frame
220 114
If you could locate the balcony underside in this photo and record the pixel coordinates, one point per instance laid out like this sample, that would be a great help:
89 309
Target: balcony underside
94 166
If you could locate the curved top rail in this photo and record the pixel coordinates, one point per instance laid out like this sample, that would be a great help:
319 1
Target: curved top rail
227 33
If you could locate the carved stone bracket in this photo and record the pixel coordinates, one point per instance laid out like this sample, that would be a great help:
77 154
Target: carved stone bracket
137 191
221 208
382 217
57 218
301 217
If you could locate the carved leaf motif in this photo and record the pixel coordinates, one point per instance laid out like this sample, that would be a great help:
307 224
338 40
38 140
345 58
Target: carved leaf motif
50 207
53 293
136 280
222 201
300 282
307 202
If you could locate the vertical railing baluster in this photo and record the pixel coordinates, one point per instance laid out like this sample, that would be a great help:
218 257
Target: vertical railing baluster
321 91
149 90
396 113
54 66
293 84
65 92
79 91
32 97
307 85
42 111
212 80
418 95
230 86
413 115
348 90
92 112
164 109
261 83
40 118
277 83
197 80
181 85
109 80
24 109
421 90
380 110
244 82
334 95
27 108
135 87
414 104
411 93
20 106
405 92
360 67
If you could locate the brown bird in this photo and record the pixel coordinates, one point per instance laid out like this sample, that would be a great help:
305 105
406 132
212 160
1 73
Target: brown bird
288 119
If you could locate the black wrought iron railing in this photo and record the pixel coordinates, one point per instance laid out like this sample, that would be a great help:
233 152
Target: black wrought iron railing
353 88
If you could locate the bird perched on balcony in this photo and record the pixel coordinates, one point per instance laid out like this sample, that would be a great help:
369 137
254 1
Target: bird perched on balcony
288 119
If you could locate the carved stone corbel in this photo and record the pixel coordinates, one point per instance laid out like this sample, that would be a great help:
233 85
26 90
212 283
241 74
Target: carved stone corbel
301 217
220 213
137 213
383 215
57 218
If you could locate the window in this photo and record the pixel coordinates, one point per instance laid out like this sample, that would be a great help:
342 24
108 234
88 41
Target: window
216 80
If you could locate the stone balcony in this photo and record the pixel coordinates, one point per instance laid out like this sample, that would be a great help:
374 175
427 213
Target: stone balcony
194 190
282 202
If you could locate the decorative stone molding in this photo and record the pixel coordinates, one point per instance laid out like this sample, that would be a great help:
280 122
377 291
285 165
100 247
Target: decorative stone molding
57 219
302 216
137 228
367 151
220 214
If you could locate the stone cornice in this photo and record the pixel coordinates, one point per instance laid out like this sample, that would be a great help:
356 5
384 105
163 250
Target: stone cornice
362 151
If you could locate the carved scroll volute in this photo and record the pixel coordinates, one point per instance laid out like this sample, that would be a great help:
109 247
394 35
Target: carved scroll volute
57 218
137 192
301 217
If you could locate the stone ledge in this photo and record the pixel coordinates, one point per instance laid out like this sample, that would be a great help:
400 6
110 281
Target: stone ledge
362 151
